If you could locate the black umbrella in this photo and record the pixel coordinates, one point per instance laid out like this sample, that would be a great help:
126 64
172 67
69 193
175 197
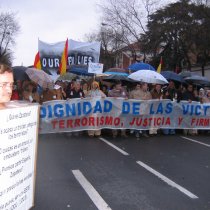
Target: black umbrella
115 77
170 75
186 74
197 80
19 73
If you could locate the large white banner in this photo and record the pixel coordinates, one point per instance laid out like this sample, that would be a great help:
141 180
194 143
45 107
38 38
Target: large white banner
79 53
18 147
113 113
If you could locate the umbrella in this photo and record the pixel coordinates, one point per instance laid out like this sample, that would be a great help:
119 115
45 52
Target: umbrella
124 79
19 73
102 75
148 76
117 71
67 76
40 77
115 77
186 74
196 79
170 75
79 70
141 66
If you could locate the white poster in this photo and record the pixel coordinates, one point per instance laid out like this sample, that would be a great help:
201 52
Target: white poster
18 147
95 68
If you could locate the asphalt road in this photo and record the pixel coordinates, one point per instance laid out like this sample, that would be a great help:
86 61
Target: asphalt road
159 173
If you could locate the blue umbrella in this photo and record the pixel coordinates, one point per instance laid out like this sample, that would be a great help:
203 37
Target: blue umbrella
117 71
79 70
170 75
140 66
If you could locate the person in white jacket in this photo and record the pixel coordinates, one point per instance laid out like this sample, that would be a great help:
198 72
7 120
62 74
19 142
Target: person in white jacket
95 92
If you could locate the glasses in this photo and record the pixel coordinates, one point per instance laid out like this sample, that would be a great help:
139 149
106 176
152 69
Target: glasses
6 84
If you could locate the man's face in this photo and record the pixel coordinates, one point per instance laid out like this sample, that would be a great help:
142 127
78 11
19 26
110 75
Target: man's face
6 86
144 86
118 87
190 88
77 86
171 84
158 87
138 87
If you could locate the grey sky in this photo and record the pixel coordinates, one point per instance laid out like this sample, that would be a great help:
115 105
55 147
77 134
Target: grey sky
50 21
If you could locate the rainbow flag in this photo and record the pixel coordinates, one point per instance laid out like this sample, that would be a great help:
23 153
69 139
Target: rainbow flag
37 62
63 63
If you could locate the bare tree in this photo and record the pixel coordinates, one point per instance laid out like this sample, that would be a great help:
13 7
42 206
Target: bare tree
128 19
201 2
9 28
123 23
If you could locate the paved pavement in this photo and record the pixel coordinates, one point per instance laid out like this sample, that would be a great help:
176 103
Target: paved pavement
159 173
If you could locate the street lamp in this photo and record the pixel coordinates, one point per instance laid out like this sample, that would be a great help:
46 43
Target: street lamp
104 24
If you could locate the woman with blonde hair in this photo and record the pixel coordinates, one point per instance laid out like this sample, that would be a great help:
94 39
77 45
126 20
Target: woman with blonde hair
95 92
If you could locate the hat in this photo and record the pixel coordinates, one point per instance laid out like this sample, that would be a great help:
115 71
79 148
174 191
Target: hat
56 87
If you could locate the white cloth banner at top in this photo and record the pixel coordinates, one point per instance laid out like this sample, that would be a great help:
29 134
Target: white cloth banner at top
79 53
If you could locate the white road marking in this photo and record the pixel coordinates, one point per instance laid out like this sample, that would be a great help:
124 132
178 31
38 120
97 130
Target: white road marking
113 146
90 190
167 180
198 142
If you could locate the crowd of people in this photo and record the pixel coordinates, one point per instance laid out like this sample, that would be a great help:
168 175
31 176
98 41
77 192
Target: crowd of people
65 90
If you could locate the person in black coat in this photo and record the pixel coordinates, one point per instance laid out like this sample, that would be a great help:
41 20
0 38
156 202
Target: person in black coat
190 95
75 91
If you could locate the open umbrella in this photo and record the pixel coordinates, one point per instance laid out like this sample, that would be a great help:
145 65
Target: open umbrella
40 77
79 70
170 75
198 80
186 74
117 71
19 73
115 77
140 66
148 76
117 74
67 76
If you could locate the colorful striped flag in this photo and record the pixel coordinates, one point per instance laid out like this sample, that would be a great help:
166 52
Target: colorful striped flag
37 62
160 65
63 63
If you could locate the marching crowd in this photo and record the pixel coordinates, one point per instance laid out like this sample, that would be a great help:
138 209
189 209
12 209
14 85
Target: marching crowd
63 90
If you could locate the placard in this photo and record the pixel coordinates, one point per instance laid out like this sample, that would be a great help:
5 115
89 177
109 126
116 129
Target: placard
95 68
18 148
